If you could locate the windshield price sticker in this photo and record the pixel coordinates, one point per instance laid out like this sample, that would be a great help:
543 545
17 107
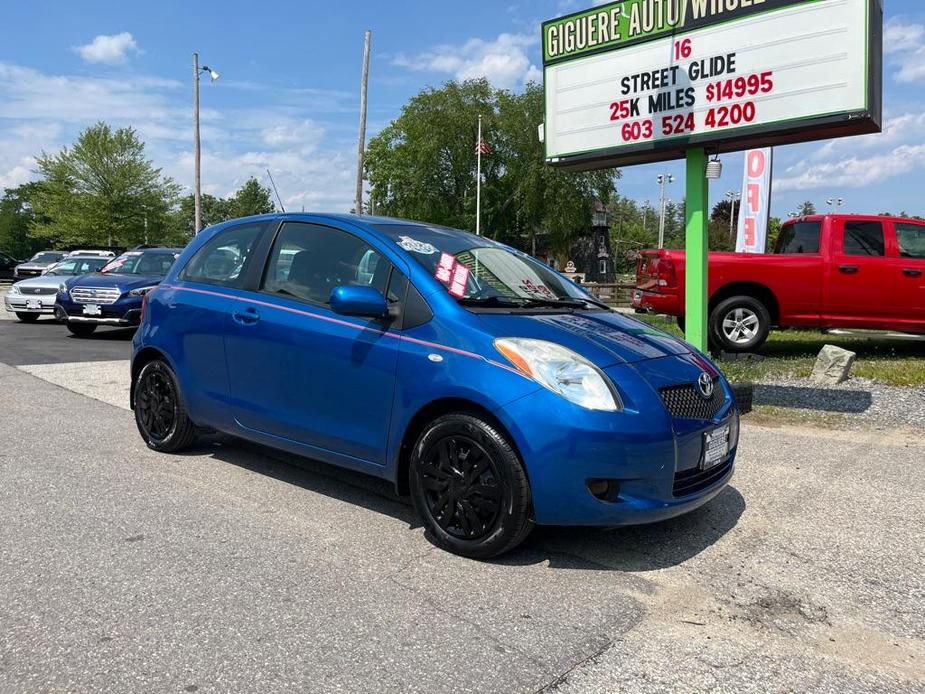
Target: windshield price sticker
765 68
460 279
445 268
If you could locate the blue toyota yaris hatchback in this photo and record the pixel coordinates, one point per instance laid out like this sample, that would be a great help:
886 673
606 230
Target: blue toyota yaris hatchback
489 387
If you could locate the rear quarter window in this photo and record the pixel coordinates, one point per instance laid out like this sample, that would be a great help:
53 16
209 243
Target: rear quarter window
799 237
911 240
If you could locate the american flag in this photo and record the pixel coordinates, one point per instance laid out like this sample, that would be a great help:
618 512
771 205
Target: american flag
483 147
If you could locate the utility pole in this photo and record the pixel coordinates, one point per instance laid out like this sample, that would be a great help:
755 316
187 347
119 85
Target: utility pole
478 182
645 214
361 147
197 153
663 180
734 197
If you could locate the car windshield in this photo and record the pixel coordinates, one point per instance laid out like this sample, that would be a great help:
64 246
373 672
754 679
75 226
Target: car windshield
142 263
46 257
77 266
479 271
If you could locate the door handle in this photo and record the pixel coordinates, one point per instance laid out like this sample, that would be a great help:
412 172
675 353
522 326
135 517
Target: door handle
910 272
848 269
248 316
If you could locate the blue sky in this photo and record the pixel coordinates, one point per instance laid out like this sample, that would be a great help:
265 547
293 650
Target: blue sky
288 98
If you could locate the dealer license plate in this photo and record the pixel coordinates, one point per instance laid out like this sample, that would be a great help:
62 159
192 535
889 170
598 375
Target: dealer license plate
92 310
715 446
34 305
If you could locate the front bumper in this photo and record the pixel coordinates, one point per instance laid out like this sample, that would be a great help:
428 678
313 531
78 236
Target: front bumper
19 303
125 312
648 454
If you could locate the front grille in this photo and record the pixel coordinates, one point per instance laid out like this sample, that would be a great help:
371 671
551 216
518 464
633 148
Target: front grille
95 295
38 291
686 402
695 480
28 273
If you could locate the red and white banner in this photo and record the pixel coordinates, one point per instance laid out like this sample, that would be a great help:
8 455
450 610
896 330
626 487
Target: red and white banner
756 201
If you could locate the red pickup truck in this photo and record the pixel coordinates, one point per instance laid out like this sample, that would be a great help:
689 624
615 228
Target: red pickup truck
827 271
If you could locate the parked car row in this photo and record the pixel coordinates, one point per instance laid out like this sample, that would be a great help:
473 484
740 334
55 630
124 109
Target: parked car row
41 262
87 289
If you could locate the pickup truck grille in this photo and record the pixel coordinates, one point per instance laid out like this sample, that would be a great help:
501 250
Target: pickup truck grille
95 295
686 402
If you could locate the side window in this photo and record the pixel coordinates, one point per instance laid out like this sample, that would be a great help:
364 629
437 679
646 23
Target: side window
864 238
222 259
799 237
309 260
911 239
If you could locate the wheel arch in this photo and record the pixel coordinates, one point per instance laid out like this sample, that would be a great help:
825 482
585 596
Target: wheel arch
139 361
755 290
427 414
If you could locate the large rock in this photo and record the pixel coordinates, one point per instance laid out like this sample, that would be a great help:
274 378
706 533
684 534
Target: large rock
833 366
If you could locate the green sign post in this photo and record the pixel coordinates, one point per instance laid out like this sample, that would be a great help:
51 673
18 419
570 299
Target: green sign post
696 240
639 81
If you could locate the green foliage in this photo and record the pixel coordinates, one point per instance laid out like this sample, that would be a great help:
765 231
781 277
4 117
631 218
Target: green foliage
250 199
101 191
16 217
807 208
423 166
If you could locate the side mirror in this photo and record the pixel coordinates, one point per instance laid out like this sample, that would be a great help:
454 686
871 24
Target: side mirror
354 300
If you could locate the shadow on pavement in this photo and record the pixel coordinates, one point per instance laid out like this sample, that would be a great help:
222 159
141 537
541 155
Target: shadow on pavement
821 399
122 334
631 549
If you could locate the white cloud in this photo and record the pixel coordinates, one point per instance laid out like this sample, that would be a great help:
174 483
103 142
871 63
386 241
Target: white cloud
503 61
312 165
112 49
904 44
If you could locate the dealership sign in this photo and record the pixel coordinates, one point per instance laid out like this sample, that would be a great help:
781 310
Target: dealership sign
645 80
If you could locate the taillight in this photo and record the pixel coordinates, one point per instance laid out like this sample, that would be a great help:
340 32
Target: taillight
665 273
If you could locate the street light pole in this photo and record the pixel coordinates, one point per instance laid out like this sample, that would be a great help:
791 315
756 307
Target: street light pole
663 179
197 153
836 202
733 198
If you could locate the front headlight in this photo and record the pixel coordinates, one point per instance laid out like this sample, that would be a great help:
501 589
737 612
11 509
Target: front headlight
62 289
562 371
141 291
14 289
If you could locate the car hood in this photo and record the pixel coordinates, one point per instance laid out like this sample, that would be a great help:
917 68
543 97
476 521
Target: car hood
36 266
111 279
42 281
603 337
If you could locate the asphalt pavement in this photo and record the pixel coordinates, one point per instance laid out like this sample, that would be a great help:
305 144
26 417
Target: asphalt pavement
237 569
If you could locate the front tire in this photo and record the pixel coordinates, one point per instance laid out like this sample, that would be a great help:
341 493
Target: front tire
739 324
27 317
469 487
160 413
81 329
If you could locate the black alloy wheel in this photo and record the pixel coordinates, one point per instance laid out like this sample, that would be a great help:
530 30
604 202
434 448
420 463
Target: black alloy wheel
159 411
470 488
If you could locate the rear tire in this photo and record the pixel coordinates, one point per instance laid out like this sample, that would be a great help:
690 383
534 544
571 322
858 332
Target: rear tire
81 329
739 324
469 487
27 317
160 413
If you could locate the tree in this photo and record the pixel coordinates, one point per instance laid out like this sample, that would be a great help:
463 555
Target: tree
16 217
250 199
807 208
423 166
101 191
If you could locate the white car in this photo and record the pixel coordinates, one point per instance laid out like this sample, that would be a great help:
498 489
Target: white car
30 298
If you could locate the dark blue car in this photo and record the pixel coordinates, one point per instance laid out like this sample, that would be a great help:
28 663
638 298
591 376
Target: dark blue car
492 389
113 296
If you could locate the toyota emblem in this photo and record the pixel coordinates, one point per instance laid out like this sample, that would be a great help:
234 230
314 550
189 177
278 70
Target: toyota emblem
705 385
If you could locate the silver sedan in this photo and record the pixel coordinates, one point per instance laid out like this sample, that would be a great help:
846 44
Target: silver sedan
31 298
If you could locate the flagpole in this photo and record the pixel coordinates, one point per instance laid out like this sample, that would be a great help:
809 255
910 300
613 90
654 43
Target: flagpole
478 183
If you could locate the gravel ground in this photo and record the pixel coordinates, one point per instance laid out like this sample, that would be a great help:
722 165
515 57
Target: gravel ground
858 401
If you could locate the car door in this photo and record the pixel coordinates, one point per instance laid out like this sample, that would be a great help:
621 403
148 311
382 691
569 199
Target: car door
200 302
860 276
909 273
298 370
